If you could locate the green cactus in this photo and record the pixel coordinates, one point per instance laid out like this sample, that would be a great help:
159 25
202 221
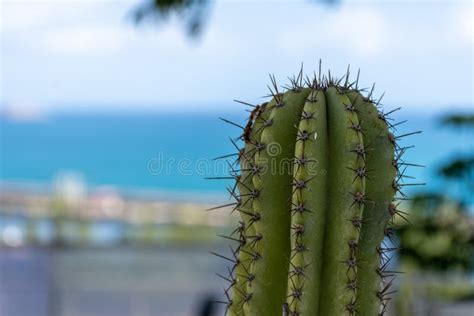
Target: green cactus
316 193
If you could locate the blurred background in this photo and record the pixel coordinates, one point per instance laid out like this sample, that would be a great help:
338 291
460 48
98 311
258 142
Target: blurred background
109 126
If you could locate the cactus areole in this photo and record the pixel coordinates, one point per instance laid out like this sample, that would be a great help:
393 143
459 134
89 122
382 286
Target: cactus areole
316 192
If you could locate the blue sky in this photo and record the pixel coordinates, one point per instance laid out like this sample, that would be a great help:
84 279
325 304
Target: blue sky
75 55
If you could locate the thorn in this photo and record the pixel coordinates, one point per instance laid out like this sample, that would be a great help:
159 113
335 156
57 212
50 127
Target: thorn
357 223
347 76
303 135
352 285
350 107
320 67
223 257
357 79
369 96
232 238
359 198
360 150
307 115
299 208
239 229
408 134
231 123
221 206
392 111
299 229
255 238
299 248
245 103
377 104
356 127
397 124
410 184
231 281
351 307
411 165
220 178
226 156
301 184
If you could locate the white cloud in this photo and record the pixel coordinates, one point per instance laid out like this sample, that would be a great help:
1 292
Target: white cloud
17 16
364 30
367 32
65 27
463 22
85 40
360 30
400 46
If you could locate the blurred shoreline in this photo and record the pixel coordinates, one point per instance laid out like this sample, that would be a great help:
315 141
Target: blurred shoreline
67 213
35 187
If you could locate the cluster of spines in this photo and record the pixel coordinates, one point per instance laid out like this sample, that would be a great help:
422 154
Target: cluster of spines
389 244
359 200
297 272
284 114
239 276
255 126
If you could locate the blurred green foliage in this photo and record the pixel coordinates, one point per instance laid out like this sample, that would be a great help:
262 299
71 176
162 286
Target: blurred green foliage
437 244
436 240
440 235
458 120
192 13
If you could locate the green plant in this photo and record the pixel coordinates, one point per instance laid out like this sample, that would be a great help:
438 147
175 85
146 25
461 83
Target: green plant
439 237
316 195
437 246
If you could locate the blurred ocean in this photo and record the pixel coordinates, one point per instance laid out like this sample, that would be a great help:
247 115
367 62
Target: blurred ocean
169 153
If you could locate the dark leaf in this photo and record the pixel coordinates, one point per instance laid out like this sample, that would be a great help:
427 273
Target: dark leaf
458 168
459 120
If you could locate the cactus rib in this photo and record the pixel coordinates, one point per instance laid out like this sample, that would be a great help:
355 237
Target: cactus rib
346 199
380 174
270 266
308 206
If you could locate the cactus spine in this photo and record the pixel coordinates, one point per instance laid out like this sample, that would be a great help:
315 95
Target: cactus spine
316 193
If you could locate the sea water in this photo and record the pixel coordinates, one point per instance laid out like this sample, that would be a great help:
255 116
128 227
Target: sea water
173 152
